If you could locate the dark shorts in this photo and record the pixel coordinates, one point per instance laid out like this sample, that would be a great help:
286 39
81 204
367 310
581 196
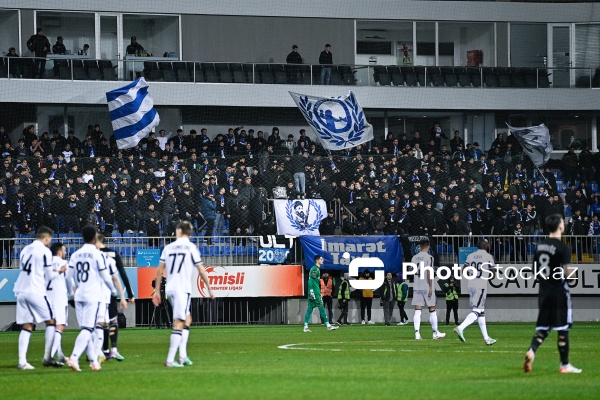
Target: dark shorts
113 309
555 310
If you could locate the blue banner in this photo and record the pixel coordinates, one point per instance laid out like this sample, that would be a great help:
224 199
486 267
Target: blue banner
148 257
387 248
463 253
8 278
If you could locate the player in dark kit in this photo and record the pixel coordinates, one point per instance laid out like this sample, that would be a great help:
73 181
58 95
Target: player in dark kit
113 310
552 262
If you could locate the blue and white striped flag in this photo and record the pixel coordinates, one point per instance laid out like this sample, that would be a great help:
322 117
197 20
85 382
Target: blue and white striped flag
132 113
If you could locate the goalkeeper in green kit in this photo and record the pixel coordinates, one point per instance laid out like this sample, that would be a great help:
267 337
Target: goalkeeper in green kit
314 295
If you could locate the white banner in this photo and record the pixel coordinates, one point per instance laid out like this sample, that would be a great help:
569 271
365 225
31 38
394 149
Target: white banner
299 217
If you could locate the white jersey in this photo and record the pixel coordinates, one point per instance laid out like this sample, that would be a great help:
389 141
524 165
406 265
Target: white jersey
36 269
427 260
482 261
89 272
57 287
112 270
180 258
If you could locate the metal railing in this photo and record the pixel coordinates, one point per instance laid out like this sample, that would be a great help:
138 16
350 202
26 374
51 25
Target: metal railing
162 69
515 249
220 311
215 251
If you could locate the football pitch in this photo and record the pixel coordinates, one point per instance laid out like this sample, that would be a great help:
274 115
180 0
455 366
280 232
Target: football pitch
282 362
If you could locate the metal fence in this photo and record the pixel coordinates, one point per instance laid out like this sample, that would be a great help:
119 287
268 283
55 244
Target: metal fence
215 251
220 311
164 69
516 249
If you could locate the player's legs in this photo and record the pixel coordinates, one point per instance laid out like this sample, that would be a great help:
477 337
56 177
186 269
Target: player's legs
25 318
419 302
36 308
185 334
61 314
309 310
86 316
178 303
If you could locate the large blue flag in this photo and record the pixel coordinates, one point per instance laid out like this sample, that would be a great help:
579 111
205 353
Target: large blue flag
132 113
339 122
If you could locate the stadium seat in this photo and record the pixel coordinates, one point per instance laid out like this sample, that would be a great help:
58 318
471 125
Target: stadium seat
449 76
503 75
169 75
214 251
223 72
475 76
264 74
227 250
464 78
204 251
489 77
240 250
347 75
238 73
423 76
279 74
396 76
210 73
336 76
437 79
409 76
543 78
305 74
381 76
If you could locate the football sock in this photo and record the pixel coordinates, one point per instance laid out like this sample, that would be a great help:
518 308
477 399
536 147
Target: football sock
417 320
105 341
324 316
23 345
49 335
99 338
81 343
433 321
563 346
114 335
538 339
471 317
307 316
174 345
56 343
483 327
185 334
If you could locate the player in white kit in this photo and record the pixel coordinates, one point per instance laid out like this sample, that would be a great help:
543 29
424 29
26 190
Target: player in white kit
423 291
483 263
89 272
177 262
103 318
58 294
32 303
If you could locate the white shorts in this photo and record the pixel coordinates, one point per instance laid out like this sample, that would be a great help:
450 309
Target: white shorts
33 308
477 297
103 314
420 298
61 314
180 302
87 313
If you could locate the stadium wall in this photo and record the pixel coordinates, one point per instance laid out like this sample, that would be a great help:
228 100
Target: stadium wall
265 39
498 309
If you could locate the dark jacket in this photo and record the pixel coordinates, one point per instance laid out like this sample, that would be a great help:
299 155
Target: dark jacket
38 45
326 57
294 58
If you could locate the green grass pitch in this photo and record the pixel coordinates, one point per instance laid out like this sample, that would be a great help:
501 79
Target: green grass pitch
356 362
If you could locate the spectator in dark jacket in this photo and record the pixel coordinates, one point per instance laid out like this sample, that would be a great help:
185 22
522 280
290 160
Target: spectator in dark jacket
39 45
209 207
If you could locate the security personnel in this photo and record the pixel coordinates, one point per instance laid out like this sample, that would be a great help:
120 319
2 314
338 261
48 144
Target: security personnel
451 288
402 293
327 285
328 225
344 298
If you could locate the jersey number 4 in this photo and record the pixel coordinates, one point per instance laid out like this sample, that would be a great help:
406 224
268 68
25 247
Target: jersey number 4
174 262
26 266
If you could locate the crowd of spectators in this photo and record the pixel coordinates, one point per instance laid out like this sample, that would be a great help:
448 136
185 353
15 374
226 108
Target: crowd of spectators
399 186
